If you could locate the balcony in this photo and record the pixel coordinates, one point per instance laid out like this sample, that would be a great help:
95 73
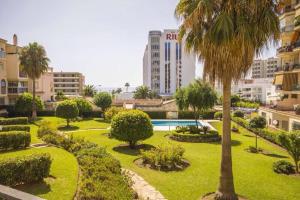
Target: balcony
288 8
288 28
17 90
296 87
285 49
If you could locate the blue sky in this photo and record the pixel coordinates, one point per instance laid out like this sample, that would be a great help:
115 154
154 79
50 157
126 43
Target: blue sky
103 39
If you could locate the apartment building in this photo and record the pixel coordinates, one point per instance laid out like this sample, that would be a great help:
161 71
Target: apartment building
70 83
166 66
287 75
14 81
264 68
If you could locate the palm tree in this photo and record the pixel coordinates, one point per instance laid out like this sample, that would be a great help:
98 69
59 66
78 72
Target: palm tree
226 35
34 61
127 86
89 91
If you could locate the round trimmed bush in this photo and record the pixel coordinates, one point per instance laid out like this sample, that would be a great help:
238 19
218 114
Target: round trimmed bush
67 110
218 115
24 104
283 167
238 113
113 111
131 126
103 100
83 106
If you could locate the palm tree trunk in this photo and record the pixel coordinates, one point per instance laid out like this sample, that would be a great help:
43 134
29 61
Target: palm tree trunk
226 186
33 100
296 164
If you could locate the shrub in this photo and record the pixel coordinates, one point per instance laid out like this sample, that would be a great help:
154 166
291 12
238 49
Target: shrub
234 129
194 129
182 129
14 139
25 169
157 114
168 157
283 167
14 121
211 136
15 128
83 106
45 127
24 104
238 113
67 110
205 129
218 115
131 127
112 111
244 104
103 100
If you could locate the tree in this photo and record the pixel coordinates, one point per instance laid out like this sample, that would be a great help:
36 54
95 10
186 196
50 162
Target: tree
291 142
24 104
141 92
103 100
234 99
226 35
118 90
199 96
127 85
68 110
113 111
131 126
34 62
257 122
218 115
89 91
60 96
153 95
83 106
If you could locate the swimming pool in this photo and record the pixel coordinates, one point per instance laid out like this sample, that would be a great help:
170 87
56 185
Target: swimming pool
175 123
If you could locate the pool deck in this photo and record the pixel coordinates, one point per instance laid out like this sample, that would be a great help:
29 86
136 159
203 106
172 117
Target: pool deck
171 128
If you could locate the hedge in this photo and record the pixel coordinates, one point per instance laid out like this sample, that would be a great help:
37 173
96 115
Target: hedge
14 140
211 136
14 121
26 169
190 114
100 172
157 114
264 133
15 128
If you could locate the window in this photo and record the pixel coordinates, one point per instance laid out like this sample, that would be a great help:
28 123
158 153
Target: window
294 96
296 125
3 86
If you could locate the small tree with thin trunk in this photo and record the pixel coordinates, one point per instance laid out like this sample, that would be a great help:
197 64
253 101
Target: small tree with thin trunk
127 86
33 61
291 142
103 100
67 110
257 123
131 126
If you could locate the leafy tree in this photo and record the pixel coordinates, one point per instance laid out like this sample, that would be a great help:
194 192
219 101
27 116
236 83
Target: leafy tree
118 90
218 115
153 95
127 85
113 111
60 96
257 122
83 106
227 35
89 91
131 126
141 92
24 104
291 142
34 62
103 100
199 96
68 110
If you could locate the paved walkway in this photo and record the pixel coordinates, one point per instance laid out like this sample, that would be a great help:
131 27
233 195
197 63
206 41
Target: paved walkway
142 187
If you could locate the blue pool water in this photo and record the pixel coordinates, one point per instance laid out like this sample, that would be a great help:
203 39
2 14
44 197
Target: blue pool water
174 123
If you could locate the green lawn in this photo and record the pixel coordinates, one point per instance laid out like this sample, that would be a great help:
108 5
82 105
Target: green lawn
254 177
62 182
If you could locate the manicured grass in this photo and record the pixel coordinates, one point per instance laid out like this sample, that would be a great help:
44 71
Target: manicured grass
254 177
62 182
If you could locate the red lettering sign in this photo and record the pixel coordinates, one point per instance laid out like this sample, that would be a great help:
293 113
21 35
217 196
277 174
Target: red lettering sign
171 36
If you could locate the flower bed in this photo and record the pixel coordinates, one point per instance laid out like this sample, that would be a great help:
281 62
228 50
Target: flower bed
211 136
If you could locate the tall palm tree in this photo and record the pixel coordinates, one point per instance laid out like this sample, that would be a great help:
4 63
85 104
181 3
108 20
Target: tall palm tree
89 91
127 86
34 61
226 35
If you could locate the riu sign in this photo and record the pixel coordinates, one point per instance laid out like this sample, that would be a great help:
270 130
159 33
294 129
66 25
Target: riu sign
171 36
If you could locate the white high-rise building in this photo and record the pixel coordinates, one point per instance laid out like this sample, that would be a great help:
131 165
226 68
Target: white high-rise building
166 64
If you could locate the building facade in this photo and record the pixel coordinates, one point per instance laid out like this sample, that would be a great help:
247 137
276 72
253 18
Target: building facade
264 68
166 66
70 83
287 75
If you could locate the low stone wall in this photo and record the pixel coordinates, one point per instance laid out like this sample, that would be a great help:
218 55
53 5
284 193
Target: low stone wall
8 193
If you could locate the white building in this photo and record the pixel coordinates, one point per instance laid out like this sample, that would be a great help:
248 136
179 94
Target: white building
166 66
264 68
261 89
